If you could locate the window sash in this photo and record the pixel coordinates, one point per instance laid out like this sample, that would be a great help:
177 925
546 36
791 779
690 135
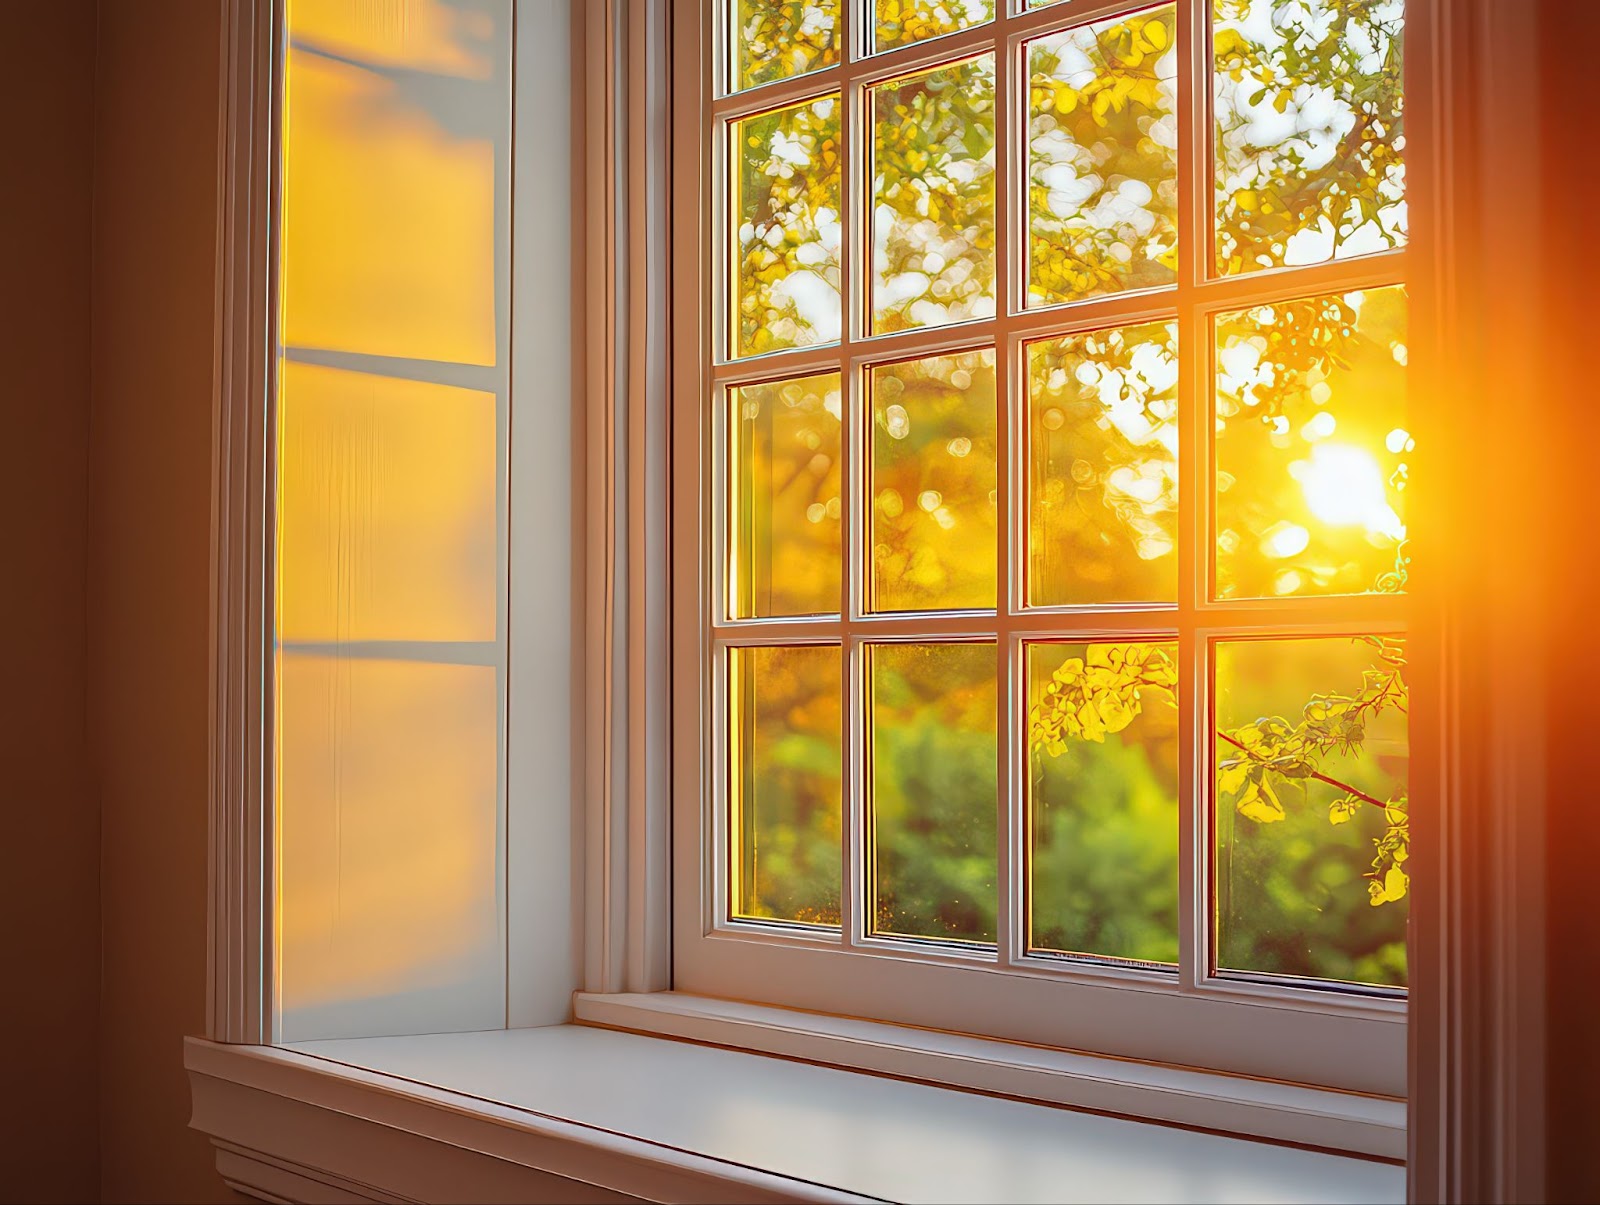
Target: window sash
1341 1038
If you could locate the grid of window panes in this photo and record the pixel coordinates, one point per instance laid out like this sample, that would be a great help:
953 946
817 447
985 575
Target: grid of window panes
1060 424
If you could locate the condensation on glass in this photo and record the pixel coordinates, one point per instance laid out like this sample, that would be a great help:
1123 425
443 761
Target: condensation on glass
391 407
932 483
787 502
1313 453
785 777
1103 158
931 790
786 236
1310 766
933 197
1103 467
1310 131
1102 800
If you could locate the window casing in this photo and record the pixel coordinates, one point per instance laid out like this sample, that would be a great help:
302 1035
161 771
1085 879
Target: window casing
1188 1012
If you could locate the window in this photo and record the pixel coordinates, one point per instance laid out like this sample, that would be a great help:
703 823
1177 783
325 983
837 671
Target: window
1042 458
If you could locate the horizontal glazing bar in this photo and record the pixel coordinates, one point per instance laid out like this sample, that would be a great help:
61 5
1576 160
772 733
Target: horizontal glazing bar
1284 284
434 652
1376 613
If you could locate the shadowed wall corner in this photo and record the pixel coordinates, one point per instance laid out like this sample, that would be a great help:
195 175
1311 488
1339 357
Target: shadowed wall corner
50 850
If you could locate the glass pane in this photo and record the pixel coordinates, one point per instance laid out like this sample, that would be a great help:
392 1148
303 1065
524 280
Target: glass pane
388 850
931 790
777 39
1103 158
397 137
932 460
786 244
901 22
1312 834
1310 133
389 824
933 197
1103 467
1312 451
1103 799
387 525
784 710
786 501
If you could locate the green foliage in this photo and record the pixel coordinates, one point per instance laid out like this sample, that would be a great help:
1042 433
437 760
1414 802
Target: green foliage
1106 691
1310 132
933 196
901 22
1102 186
782 38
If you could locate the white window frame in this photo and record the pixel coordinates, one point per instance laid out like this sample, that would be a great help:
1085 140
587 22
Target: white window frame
1349 1040
1475 1059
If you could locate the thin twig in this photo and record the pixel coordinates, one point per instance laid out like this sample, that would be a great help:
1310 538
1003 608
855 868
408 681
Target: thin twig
1320 777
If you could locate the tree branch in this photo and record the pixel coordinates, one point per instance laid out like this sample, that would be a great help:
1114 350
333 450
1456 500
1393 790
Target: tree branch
1318 775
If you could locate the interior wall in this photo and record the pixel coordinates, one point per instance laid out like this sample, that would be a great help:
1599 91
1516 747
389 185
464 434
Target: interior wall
49 852
1563 634
155 166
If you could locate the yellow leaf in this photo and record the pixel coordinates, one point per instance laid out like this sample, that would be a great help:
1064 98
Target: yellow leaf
1260 804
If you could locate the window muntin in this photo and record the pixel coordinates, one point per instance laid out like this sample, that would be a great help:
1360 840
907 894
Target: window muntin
1111 399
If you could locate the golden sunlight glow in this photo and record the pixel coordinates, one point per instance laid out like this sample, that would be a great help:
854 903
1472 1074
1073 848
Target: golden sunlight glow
391 411
1344 487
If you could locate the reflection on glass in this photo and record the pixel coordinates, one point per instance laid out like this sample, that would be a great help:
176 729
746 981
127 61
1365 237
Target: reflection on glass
784 711
931 790
386 508
1310 134
901 22
394 222
392 127
1103 158
786 497
786 241
933 197
1311 761
387 812
1312 451
932 462
1103 800
1103 467
777 39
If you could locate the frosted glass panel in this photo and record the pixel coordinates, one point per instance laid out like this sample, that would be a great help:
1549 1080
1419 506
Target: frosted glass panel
393 409
397 121
387 509
390 804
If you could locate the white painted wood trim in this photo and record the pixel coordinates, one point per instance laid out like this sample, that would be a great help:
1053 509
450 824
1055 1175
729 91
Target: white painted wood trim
287 1121
241 720
622 94
1341 1121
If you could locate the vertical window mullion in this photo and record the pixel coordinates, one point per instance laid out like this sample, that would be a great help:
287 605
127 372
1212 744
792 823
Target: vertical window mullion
854 133
1194 243
1010 869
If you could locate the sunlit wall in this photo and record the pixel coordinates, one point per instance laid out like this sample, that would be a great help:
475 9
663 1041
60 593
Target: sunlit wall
392 428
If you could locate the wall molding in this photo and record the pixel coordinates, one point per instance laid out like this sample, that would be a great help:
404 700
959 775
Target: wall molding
1478 967
241 717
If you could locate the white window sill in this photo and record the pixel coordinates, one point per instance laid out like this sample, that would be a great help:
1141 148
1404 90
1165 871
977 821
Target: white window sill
571 1113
